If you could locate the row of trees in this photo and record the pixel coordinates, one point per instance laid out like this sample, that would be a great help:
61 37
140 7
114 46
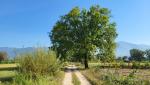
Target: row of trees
82 33
137 55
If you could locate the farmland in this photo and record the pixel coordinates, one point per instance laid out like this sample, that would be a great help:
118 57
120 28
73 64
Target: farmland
98 75
7 71
78 47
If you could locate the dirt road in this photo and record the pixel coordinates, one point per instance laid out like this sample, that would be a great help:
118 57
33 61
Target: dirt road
68 76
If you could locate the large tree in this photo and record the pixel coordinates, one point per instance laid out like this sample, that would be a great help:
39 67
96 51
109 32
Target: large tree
85 32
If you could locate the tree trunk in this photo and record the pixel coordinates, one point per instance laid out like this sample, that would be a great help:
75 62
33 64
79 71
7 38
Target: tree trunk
86 61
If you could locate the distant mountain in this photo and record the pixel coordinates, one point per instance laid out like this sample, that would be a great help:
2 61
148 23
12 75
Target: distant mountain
12 52
122 49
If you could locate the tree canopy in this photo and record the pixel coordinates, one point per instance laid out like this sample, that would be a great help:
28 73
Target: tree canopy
3 56
147 52
137 55
85 32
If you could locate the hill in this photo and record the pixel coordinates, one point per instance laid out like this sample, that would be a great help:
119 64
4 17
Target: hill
122 49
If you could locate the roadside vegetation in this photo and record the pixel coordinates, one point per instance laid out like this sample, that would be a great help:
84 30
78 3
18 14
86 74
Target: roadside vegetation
110 76
75 80
38 68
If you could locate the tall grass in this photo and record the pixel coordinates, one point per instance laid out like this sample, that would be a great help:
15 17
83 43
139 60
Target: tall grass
40 62
75 79
99 76
38 68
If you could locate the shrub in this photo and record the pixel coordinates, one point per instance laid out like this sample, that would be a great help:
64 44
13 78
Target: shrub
136 65
147 65
40 62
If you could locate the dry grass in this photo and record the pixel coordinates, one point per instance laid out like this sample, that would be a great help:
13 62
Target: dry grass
95 75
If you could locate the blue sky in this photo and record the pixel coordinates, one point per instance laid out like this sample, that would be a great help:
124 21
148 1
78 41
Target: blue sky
27 22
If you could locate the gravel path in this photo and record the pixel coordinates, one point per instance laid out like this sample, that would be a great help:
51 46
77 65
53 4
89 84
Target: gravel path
68 76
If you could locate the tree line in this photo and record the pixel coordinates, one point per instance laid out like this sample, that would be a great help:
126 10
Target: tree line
137 55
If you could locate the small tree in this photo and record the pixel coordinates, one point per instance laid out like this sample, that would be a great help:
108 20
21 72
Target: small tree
137 55
3 56
147 52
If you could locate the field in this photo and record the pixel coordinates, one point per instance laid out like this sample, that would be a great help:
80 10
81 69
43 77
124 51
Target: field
38 68
8 66
98 75
7 71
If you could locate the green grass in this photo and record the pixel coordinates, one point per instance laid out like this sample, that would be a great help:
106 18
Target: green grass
7 75
75 80
8 66
38 68
112 76
133 65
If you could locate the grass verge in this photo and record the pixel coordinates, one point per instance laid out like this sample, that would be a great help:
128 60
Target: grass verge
75 79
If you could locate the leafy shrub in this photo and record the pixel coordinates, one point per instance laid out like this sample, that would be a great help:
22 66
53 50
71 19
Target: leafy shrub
38 68
147 65
135 65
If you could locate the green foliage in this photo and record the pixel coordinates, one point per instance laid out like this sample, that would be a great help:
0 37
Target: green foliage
24 79
136 65
147 52
75 80
115 79
84 32
3 56
38 68
137 55
39 62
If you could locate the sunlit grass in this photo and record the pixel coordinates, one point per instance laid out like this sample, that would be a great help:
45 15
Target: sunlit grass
8 66
5 74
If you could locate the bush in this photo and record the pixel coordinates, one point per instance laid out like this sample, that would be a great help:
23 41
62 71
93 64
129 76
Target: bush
38 68
147 65
136 65
40 62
